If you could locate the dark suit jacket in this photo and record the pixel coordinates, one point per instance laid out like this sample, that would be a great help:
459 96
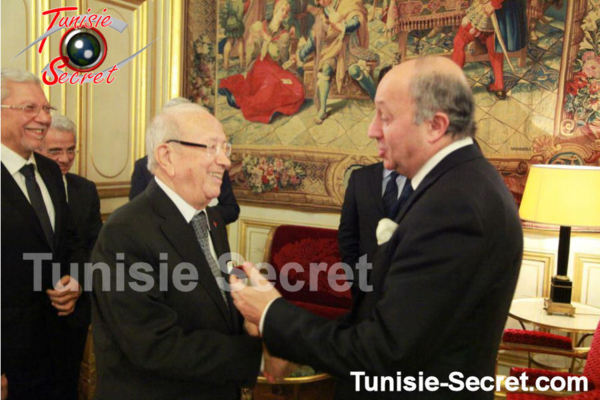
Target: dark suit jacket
228 206
85 208
442 287
168 344
361 212
34 338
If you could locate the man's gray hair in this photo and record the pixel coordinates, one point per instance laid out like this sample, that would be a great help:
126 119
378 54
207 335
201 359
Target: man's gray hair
63 123
18 76
176 101
435 90
164 127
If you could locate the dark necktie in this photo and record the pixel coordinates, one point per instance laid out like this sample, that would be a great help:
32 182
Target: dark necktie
407 190
200 225
37 202
390 196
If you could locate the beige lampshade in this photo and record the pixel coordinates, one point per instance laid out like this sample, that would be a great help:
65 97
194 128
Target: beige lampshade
564 195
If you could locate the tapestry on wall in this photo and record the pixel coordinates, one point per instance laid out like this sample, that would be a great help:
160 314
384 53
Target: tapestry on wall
295 97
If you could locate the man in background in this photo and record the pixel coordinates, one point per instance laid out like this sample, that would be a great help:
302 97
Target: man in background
38 312
443 281
363 209
60 145
226 203
167 342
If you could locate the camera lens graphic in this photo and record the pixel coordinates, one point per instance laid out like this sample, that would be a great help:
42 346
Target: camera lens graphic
83 49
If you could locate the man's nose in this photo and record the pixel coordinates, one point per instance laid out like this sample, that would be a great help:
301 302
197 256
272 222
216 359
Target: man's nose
374 131
63 157
223 160
43 117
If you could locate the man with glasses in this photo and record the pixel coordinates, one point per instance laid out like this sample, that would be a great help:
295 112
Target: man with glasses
226 203
37 310
156 338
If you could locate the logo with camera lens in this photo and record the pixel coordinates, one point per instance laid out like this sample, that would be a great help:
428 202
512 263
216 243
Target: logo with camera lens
83 48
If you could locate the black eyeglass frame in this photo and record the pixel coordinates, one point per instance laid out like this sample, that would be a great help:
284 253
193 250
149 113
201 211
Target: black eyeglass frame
204 146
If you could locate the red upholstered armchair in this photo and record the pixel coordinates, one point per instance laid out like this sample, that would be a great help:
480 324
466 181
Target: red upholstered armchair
542 342
591 371
308 247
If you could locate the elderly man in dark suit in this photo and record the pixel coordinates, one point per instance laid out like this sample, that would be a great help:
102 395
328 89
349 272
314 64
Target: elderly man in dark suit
37 310
164 339
226 202
443 282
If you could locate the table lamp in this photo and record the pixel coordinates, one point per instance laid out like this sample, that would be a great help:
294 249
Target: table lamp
568 196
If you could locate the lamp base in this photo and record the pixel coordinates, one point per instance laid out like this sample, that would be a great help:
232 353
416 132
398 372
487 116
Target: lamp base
560 289
560 296
555 308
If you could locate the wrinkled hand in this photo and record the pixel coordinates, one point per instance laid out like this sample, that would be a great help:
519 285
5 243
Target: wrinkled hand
252 300
276 368
251 329
4 385
65 295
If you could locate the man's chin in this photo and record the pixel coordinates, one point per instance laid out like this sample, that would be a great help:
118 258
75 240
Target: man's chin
388 164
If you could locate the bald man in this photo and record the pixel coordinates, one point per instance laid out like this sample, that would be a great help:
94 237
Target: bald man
443 283
171 331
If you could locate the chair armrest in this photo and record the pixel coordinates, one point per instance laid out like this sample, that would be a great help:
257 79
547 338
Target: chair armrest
576 352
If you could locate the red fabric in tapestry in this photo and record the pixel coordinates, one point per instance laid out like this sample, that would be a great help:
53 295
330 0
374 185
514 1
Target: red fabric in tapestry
536 338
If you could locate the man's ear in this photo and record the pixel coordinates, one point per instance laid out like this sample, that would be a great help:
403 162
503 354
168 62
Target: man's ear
164 158
438 126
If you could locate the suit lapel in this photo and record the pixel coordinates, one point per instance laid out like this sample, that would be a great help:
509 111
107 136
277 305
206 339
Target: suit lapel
15 196
182 237
449 162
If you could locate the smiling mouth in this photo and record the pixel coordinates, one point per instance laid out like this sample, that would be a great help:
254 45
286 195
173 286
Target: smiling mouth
217 175
37 131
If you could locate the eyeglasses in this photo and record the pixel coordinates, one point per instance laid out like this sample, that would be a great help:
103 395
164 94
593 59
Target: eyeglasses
211 149
31 109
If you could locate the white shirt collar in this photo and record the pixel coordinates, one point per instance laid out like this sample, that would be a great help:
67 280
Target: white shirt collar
184 208
13 161
437 157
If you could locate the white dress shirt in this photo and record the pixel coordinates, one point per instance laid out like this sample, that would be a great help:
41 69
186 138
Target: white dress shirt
437 158
13 163
187 211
